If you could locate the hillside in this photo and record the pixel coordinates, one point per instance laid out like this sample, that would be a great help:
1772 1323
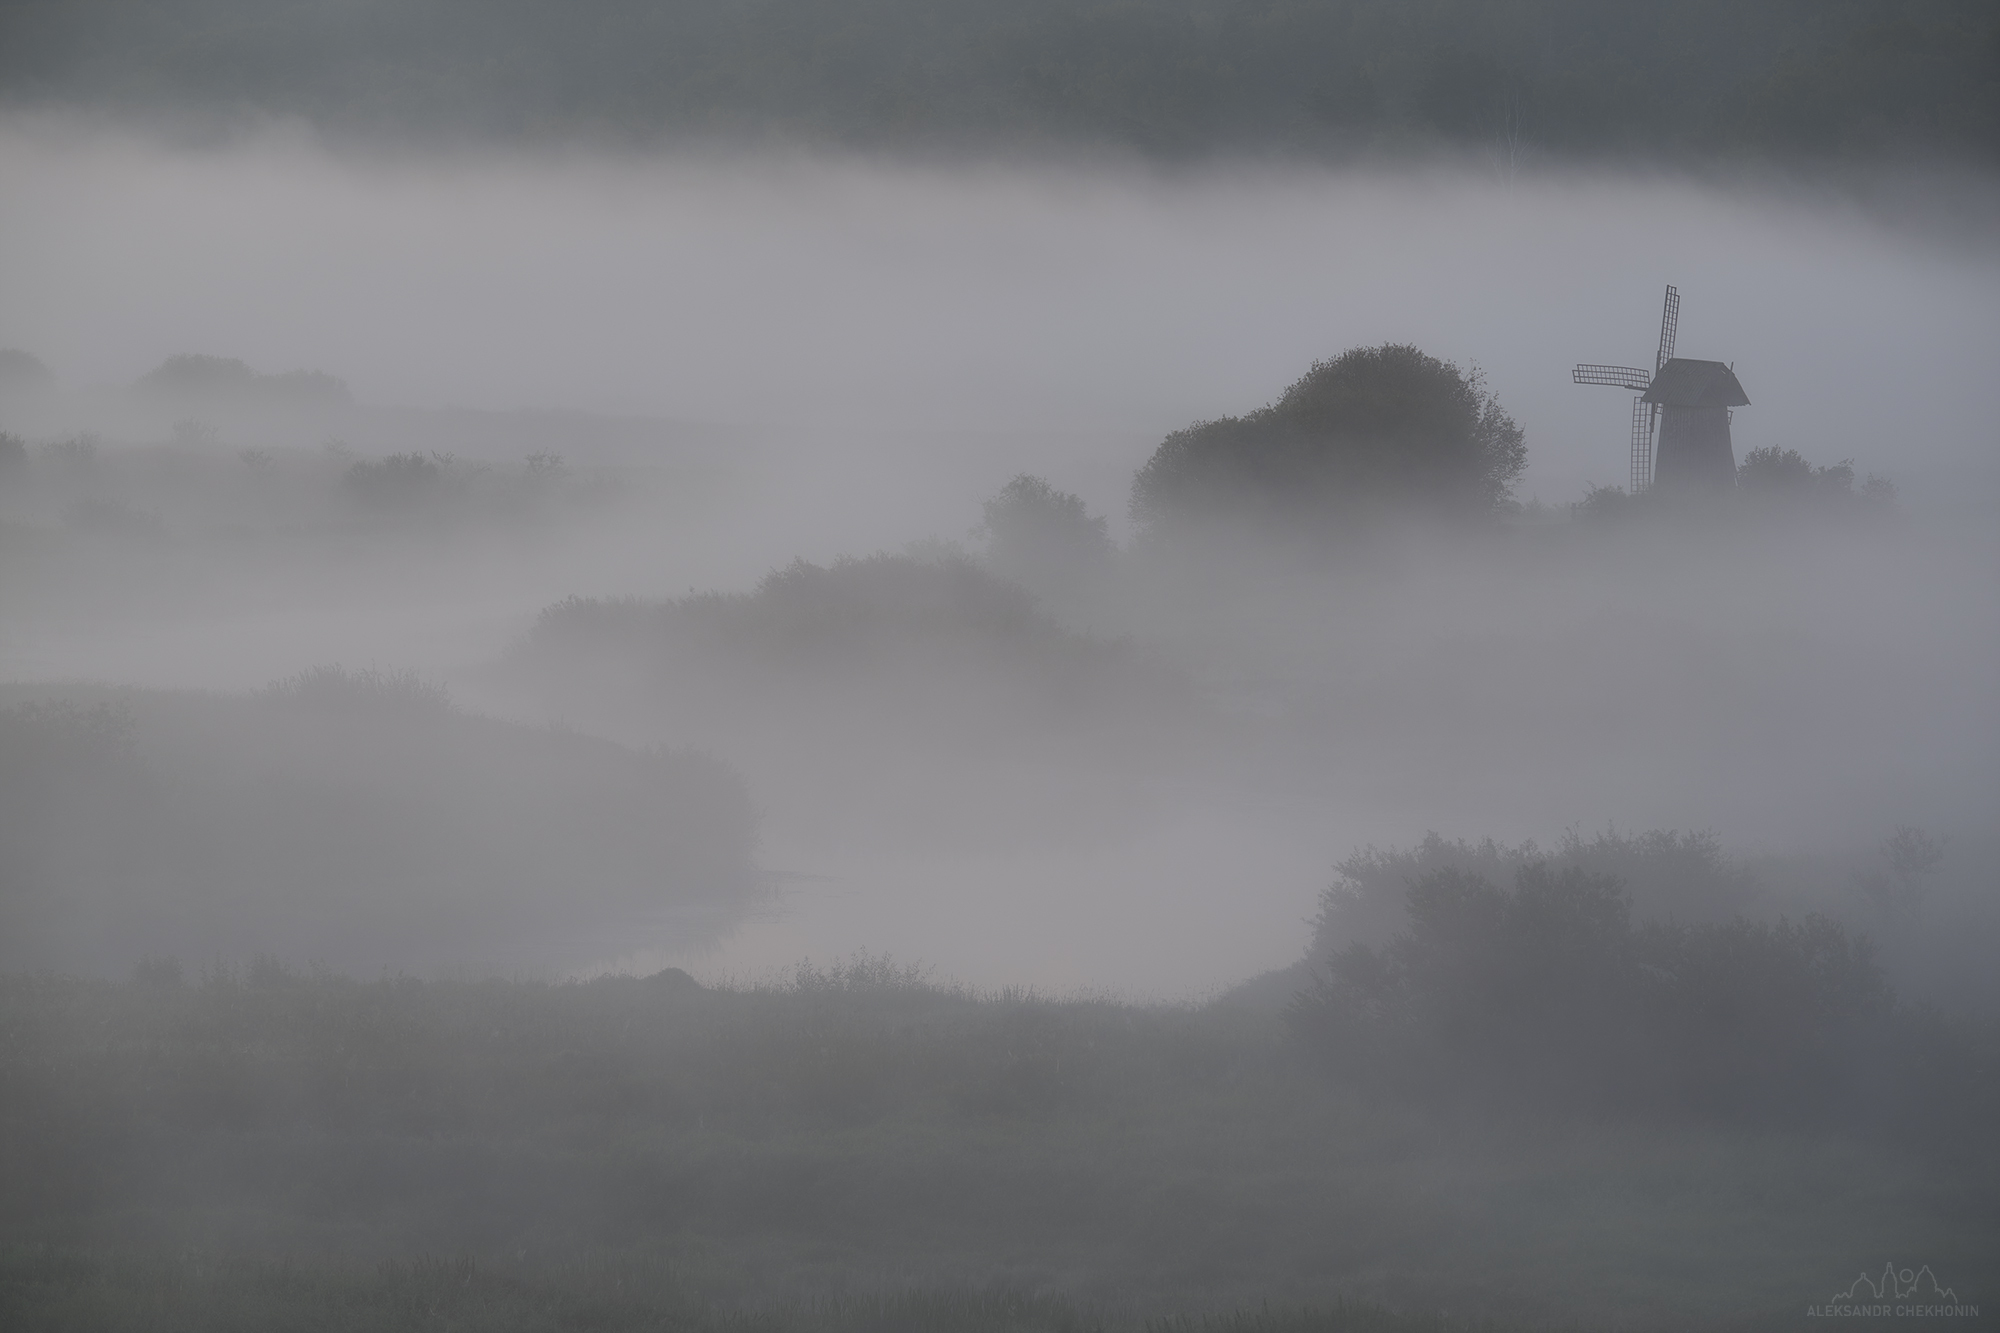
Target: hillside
350 820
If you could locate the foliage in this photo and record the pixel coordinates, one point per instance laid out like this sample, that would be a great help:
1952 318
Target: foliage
1375 428
397 480
76 454
1667 79
1551 994
1911 858
928 645
1769 482
191 377
1606 504
1043 538
1666 874
853 1129
1772 476
368 691
805 617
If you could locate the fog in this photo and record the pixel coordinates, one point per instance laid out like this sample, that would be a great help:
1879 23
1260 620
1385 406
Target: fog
997 739
750 360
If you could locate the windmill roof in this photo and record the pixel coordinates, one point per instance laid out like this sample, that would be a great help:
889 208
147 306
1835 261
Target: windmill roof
1683 383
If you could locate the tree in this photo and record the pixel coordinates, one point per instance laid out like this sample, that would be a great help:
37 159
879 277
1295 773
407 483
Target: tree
1377 428
1041 537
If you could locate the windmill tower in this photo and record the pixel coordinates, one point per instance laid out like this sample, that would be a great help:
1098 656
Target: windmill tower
1688 403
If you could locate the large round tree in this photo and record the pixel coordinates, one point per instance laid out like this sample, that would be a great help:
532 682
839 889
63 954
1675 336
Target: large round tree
1376 429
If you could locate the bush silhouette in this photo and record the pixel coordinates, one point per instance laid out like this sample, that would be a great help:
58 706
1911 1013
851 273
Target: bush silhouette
1774 476
1549 993
1664 873
399 479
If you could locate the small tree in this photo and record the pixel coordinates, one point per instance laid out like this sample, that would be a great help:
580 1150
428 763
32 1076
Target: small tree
1041 537
1376 428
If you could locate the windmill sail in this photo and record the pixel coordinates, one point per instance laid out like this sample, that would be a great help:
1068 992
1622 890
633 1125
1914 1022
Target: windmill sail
1644 414
1680 421
1623 377
1670 323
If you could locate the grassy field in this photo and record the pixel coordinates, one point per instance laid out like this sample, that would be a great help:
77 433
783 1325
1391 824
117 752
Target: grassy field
857 1148
45 1290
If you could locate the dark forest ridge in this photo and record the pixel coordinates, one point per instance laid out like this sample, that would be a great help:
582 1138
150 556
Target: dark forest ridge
1672 79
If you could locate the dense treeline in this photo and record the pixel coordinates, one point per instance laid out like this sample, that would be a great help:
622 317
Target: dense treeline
1686 76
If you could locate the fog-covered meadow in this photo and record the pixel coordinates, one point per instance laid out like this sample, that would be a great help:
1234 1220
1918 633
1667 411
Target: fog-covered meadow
673 725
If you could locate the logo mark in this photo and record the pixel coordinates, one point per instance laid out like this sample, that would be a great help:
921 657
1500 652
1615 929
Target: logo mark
1898 1292
1897 1286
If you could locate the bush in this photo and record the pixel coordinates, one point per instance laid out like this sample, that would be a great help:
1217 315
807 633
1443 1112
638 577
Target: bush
1666 875
399 479
1376 428
1774 476
1550 994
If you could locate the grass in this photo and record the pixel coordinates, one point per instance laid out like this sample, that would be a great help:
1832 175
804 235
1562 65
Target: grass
57 1292
269 1149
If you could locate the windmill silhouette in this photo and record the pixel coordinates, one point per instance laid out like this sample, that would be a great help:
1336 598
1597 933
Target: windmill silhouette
1688 402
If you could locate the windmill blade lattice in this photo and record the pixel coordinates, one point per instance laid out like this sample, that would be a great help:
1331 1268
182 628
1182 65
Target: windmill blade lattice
1681 419
1670 324
1644 416
1622 377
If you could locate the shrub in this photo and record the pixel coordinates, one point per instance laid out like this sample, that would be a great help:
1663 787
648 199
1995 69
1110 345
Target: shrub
1666 874
399 479
1549 993
1774 476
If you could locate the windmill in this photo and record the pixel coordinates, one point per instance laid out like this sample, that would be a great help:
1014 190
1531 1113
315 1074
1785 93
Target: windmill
1688 402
